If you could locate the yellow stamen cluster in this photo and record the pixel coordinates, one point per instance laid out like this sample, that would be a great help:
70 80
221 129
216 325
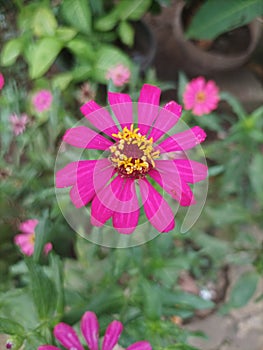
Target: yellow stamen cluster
133 155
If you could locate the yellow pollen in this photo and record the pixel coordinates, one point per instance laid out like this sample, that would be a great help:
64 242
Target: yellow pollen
200 97
133 154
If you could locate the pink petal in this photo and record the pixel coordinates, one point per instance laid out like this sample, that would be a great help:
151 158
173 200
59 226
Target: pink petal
168 177
157 210
47 347
112 335
48 247
148 107
83 137
99 212
99 117
67 336
91 176
119 195
67 176
167 118
28 226
122 106
190 170
90 329
140 345
183 141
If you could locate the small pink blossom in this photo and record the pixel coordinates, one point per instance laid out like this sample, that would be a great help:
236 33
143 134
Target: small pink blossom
120 75
200 96
2 81
42 100
26 240
18 123
134 159
86 93
89 326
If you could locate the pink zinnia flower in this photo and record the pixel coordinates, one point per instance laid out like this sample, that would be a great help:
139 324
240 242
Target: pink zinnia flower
2 81
200 96
26 240
18 123
134 155
42 100
89 326
120 75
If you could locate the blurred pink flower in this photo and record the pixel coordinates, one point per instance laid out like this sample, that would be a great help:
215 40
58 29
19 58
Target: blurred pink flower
26 240
200 96
2 81
89 326
110 182
42 100
18 123
86 93
120 75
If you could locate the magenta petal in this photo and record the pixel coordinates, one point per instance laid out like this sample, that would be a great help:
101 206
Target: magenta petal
90 329
112 335
121 104
167 118
99 117
99 212
148 107
140 345
183 141
91 176
167 176
67 336
67 176
47 347
28 226
190 170
157 210
83 137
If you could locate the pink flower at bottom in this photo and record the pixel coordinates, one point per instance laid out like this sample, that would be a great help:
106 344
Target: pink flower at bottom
26 240
42 100
120 75
132 158
89 326
18 123
2 81
200 96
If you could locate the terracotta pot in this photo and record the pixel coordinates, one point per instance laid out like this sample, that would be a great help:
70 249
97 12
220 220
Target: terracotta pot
198 61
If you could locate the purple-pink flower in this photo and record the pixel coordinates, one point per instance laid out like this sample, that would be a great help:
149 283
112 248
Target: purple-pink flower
120 75
26 240
18 123
42 100
134 158
89 326
2 81
200 96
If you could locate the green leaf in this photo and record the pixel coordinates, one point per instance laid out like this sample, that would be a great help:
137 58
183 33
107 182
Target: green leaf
182 82
43 291
216 17
132 10
77 14
41 234
44 22
255 174
43 55
82 49
11 51
107 22
65 34
152 302
11 327
182 299
58 278
243 289
61 81
234 103
126 33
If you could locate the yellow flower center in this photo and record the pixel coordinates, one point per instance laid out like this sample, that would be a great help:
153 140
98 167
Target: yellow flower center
31 238
200 97
133 155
